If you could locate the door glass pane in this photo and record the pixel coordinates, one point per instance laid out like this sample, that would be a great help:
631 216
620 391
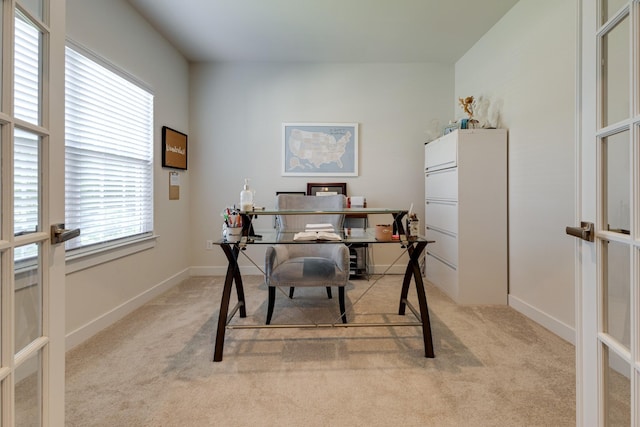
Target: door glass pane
28 398
26 195
34 7
616 292
27 85
616 180
617 389
610 7
28 295
615 74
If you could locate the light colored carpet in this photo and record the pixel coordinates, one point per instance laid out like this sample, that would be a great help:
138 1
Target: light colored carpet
493 366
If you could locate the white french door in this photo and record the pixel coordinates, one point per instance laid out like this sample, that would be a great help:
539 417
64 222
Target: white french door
31 198
608 339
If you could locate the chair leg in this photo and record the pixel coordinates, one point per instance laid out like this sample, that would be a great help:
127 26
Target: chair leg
343 310
291 289
272 300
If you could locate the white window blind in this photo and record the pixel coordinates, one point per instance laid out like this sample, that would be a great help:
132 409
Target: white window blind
26 144
27 71
108 153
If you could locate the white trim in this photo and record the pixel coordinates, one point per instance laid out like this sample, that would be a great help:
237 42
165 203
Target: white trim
556 326
85 51
577 267
87 259
88 330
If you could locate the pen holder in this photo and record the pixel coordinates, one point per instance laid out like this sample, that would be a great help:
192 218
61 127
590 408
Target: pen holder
384 232
232 234
413 228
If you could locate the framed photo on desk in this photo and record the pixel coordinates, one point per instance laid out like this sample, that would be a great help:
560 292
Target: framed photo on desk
326 189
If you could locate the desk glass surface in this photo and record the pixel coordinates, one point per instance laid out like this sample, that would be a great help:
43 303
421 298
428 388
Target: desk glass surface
346 211
350 236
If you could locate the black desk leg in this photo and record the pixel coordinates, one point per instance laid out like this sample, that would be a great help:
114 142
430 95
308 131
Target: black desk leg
413 269
239 286
405 283
398 228
233 272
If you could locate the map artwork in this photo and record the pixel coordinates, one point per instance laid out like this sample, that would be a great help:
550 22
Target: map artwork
320 149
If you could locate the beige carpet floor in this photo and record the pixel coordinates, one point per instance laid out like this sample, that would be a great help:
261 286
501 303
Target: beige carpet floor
493 366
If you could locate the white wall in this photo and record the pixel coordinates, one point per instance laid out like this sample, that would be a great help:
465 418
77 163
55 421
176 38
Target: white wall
98 296
236 115
526 64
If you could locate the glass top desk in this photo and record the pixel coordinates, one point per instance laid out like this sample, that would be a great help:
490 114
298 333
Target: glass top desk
414 247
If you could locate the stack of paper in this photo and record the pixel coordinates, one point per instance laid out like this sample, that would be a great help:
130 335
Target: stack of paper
319 227
317 232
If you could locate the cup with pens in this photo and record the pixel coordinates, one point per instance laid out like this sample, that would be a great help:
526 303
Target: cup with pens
232 228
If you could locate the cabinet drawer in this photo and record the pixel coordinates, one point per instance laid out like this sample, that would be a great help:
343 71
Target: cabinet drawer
442 215
442 276
445 246
441 153
442 184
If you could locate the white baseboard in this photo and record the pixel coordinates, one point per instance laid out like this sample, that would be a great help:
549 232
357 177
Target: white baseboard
556 326
88 330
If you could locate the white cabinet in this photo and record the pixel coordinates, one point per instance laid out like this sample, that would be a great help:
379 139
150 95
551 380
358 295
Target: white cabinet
466 215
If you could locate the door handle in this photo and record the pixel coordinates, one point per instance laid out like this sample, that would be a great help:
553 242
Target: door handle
60 234
584 232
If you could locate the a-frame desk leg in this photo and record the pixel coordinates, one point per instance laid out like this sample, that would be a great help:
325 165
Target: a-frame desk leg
413 270
233 274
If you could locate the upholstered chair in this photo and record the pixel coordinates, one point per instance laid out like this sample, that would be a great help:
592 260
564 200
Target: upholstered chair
309 264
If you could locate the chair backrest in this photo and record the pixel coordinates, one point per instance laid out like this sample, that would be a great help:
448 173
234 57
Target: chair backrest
298 222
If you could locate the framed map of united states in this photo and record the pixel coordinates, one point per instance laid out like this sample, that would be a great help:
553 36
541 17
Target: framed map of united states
320 149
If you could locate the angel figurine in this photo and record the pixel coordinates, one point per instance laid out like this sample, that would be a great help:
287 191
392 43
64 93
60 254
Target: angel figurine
467 104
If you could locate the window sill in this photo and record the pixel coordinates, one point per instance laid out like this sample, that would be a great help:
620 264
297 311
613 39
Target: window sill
81 261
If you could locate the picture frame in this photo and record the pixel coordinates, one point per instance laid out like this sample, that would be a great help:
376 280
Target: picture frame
326 189
320 149
174 149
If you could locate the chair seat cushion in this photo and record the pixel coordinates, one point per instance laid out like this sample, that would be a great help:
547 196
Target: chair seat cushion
308 271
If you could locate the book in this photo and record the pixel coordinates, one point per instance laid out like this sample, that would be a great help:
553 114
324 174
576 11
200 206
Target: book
316 235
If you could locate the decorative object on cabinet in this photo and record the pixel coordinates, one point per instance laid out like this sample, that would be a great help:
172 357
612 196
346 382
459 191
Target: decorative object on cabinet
320 149
326 189
468 105
449 128
466 215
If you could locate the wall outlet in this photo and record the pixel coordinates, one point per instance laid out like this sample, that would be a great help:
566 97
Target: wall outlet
209 245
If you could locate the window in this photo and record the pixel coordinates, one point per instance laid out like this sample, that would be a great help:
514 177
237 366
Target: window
108 153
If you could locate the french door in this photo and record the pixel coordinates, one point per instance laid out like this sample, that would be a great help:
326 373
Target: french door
608 325
31 198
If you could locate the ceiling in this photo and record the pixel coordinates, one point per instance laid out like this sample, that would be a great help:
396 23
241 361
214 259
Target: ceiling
323 30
